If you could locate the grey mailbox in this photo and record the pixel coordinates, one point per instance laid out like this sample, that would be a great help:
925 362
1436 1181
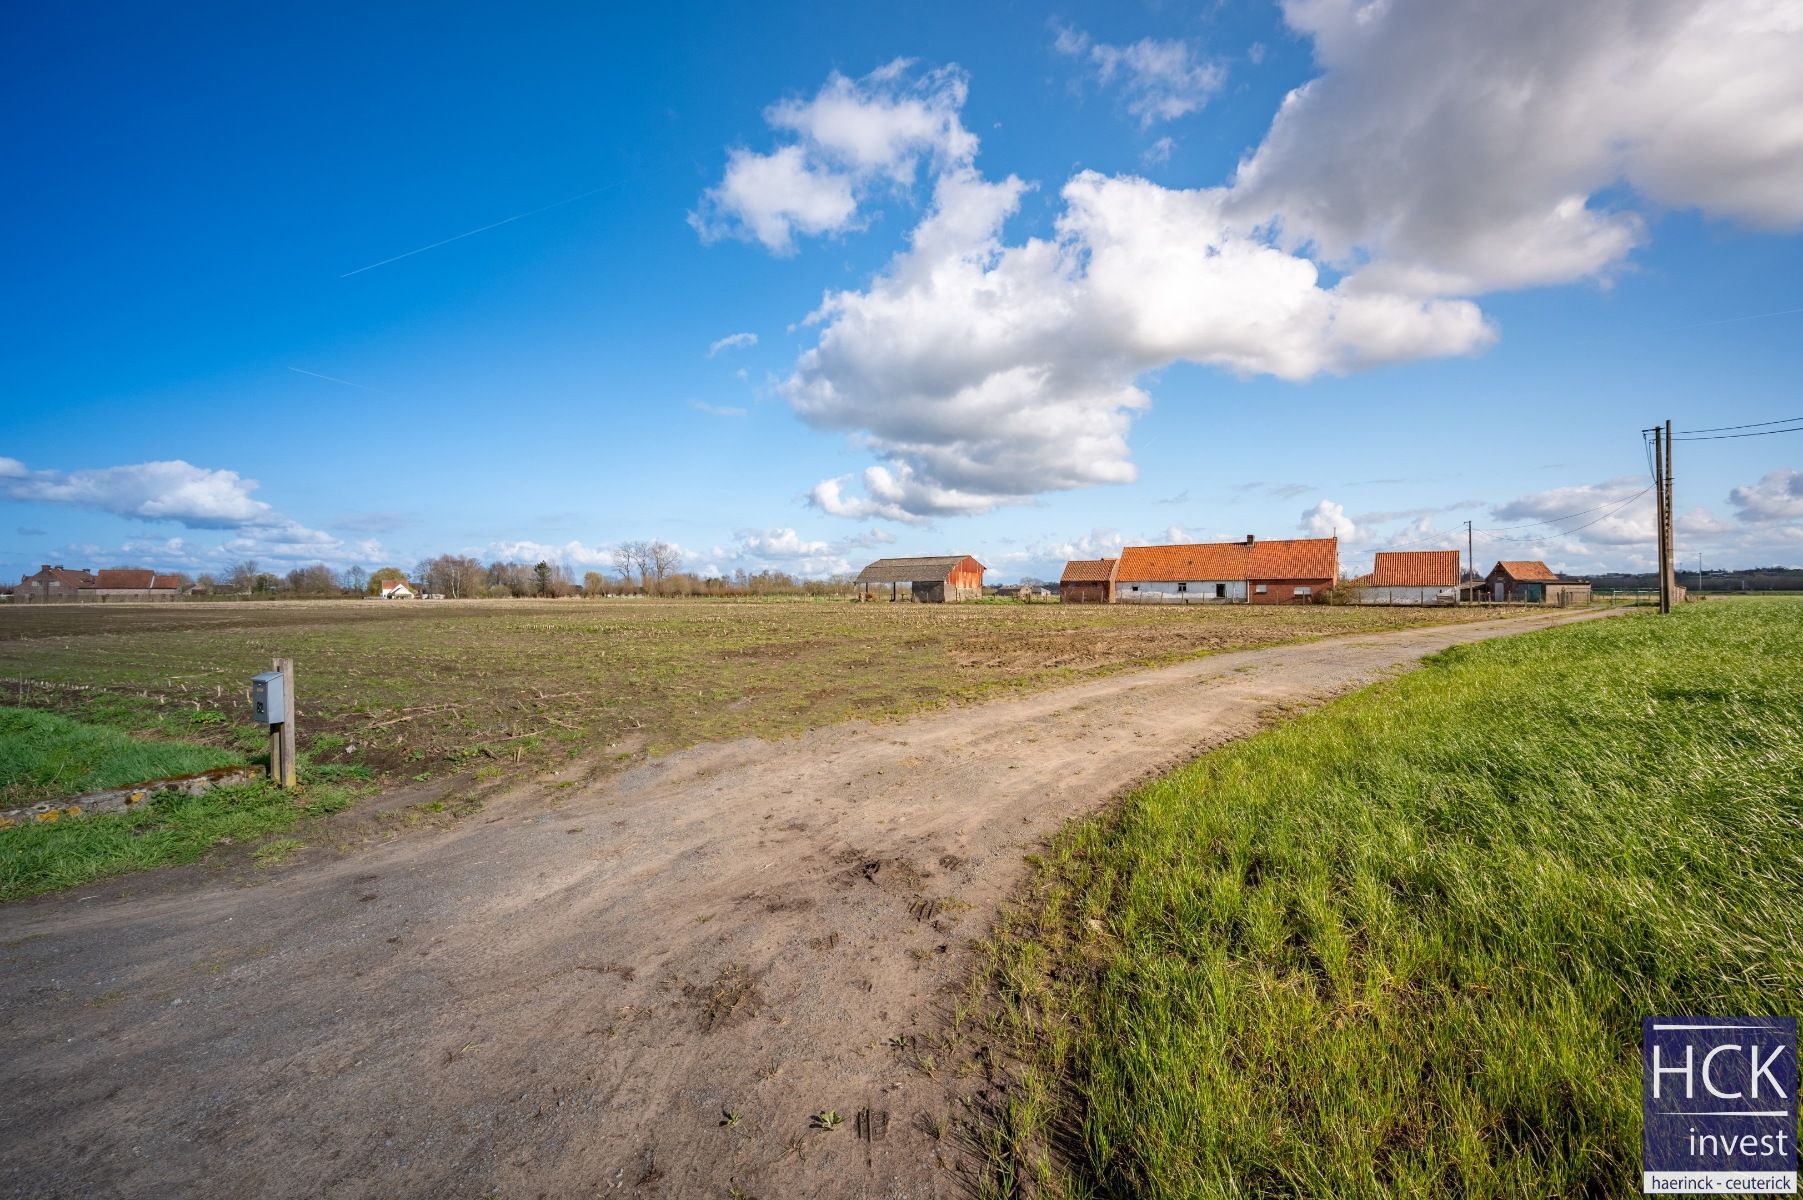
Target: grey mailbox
267 703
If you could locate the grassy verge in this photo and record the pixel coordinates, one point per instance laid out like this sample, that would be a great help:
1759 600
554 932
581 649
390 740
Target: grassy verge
166 829
1402 946
44 756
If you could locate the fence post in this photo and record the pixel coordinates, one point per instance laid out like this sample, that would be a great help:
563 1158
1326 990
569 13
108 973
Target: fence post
285 733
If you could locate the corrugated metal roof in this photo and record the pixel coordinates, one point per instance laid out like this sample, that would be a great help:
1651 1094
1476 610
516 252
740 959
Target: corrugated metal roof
1525 570
1415 568
932 569
1087 570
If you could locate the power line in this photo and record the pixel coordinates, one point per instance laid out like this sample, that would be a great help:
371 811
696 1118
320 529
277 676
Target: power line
1559 533
1716 437
1750 425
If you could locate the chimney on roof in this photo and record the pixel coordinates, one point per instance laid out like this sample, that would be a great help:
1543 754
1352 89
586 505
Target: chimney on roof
1250 538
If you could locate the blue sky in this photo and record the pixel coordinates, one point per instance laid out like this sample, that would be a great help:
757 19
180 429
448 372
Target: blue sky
1398 321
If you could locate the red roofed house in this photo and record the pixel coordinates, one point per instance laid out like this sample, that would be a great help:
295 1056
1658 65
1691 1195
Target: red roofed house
1088 581
1529 581
130 583
1410 577
1291 571
54 583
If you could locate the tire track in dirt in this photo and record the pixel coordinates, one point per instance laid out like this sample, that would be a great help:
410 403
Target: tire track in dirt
645 987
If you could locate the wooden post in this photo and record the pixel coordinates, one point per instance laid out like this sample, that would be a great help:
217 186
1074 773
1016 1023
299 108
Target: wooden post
1668 565
289 727
1665 605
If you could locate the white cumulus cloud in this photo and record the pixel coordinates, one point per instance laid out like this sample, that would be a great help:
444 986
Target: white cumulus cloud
1159 79
851 137
1778 496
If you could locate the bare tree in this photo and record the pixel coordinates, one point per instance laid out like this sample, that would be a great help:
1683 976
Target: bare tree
353 579
662 559
593 584
243 575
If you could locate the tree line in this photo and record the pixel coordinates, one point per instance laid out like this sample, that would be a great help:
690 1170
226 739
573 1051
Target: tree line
640 568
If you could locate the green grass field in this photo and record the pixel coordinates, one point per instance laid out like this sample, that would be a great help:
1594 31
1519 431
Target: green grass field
44 756
1402 946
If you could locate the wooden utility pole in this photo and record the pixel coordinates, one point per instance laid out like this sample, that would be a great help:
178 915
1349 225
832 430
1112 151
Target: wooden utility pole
282 767
1668 561
1470 561
1659 510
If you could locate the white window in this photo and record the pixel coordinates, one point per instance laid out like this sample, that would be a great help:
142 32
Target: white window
1259 588
1305 590
1183 587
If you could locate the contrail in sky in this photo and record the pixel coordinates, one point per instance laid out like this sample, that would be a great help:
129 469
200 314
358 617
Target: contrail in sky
1783 312
333 379
485 228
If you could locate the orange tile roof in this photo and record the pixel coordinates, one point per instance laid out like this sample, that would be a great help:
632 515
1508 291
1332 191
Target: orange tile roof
118 577
1296 558
170 583
1415 568
1087 570
1292 558
1525 570
1206 560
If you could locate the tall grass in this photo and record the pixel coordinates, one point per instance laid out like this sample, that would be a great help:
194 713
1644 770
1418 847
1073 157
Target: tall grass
43 756
1402 946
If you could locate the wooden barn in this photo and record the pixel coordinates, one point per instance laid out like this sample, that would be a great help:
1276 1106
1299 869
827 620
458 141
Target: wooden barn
1088 581
1409 577
933 580
1530 581
1282 571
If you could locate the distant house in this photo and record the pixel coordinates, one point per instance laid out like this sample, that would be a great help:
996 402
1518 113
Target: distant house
1530 581
115 583
54 583
1409 577
396 589
1283 571
1088 581
937 580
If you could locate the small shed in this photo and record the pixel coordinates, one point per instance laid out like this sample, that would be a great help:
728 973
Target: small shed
1088 581
932 580
1410 577
1530 581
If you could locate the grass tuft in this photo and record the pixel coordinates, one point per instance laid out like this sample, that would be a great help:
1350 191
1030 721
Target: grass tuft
45 756
1402 946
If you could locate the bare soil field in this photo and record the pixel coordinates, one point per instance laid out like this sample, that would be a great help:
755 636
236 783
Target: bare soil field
728 971
427 689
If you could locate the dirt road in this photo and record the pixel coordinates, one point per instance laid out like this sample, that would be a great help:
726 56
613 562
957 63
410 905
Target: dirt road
568 994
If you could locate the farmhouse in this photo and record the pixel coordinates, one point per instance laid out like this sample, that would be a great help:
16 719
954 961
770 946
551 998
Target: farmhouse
1088 581
1284 571
54 583
930 580
1529 581
396 589
1410 577
131 584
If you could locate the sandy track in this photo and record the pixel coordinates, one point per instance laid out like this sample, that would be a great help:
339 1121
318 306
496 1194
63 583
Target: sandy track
563 1001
